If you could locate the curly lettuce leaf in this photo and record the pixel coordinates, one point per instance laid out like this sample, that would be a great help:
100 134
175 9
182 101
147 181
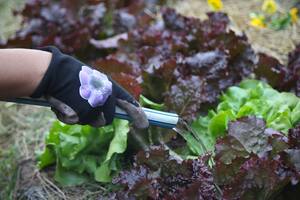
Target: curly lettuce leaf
280 110
158 175
82 152
117 146
182 62
256 162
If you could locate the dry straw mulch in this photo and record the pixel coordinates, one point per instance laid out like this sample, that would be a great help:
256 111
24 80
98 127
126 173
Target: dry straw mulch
272 42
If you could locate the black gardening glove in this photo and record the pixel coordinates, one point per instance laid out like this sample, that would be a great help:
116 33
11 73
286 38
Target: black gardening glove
79 94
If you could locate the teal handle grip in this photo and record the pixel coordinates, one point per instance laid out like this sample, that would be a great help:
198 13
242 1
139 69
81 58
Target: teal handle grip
156 118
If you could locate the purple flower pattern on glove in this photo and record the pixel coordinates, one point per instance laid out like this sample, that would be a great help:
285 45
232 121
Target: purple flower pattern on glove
95 86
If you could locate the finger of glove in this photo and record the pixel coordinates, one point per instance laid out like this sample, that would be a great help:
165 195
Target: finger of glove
67 115
136 113
125 101
121 93
62 111
99 122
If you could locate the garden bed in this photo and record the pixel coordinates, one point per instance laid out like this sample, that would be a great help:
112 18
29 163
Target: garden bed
198 66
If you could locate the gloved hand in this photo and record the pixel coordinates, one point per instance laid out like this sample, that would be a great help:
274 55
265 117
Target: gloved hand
79 94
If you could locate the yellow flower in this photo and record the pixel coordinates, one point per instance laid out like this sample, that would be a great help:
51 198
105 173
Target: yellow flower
215 5
269 6
258 21
294 15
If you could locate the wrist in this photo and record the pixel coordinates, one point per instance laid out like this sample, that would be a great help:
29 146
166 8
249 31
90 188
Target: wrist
39 70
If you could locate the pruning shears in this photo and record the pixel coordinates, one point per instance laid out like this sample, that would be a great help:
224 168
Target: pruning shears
155 117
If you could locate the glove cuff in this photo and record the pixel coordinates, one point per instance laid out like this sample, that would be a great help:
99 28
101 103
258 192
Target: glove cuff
44 85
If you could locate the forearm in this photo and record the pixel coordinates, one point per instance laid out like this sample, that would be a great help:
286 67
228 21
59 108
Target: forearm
21 70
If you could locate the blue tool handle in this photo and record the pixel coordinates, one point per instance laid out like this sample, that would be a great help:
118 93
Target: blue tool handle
156 118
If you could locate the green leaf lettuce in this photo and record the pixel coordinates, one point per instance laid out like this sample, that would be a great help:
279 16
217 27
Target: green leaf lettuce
280 110
81 152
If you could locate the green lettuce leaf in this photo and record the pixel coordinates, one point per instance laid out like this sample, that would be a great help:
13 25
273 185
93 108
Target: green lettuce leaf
145 102
82 152
117 146
281 111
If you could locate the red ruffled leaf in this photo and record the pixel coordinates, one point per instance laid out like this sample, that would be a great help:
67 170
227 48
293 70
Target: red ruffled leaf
294 137
129 83
157 175
257 179
186 63
71 25
255 162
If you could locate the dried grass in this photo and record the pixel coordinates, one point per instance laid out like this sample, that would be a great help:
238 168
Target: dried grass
275 43
22 130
